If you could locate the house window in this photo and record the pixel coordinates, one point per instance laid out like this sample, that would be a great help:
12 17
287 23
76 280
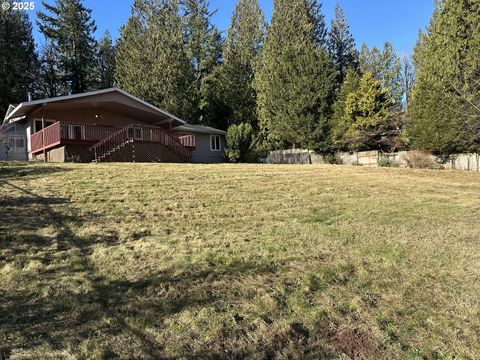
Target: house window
20 144
16 144
38 124
77 132
138 134
215 143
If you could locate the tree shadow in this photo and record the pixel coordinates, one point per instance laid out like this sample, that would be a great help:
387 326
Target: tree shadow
40 229
13 170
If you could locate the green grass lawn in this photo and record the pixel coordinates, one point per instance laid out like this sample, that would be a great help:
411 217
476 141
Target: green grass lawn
158 261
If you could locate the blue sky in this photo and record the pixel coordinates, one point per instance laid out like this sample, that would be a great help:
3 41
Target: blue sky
371 21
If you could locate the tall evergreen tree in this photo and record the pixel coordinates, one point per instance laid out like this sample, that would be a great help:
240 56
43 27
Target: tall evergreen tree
48 83
69 26
386 67
392 73
203 44
366 116
408 78
235 89
342 45
446 59
17 58
295 80
317 18
151 62
105 61
339 125
370 60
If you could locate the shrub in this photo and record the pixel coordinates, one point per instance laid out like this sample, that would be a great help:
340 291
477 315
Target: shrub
333 159
385 161
241 143
420 160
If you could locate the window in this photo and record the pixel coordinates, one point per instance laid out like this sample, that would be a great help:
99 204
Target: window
135 133
38 124
138 134
215 143
16 144
20 144
77 132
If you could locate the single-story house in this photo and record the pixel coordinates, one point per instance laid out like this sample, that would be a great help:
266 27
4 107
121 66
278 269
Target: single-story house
104 125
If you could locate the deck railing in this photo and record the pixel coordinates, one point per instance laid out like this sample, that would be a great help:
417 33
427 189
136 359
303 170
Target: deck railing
48 137
106 140
141 134
68 133
188 141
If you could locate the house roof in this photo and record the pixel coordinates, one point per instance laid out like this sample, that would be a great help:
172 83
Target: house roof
200 129
148 111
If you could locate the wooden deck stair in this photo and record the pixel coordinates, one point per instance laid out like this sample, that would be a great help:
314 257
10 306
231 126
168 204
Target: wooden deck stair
143 135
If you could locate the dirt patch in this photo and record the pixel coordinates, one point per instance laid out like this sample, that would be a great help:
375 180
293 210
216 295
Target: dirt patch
357 344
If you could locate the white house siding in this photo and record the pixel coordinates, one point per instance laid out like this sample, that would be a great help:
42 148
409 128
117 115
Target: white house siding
17 141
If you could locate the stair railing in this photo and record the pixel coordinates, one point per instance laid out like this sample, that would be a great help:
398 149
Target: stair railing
142 134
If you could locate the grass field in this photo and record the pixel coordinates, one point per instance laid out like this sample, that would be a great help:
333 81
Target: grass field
238 261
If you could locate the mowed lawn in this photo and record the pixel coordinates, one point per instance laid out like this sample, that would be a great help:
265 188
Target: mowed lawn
152 261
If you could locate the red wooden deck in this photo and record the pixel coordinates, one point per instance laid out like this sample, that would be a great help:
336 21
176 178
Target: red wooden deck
61 133
104 140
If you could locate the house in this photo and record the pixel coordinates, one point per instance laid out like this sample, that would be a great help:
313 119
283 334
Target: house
104 125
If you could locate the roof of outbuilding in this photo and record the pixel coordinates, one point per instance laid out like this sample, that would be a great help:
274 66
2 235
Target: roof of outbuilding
200 129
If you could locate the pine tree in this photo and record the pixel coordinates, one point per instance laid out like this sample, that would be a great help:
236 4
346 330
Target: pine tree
235 90
392 73
295 80
366 116
151 62
17 58
339 126
446 59
317 18
408 78
203 44
68 25
342 46
105 61
386 67
370 60
48 83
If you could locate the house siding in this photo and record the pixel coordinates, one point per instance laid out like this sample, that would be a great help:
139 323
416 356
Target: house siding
112 109
203 154
15 153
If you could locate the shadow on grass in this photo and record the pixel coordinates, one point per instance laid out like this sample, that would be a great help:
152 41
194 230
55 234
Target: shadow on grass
12 170
67 303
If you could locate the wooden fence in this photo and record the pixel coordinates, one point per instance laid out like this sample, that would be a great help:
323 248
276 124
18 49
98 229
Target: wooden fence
467 162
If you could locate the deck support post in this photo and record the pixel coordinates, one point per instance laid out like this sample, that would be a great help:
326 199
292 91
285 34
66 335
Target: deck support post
43 140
